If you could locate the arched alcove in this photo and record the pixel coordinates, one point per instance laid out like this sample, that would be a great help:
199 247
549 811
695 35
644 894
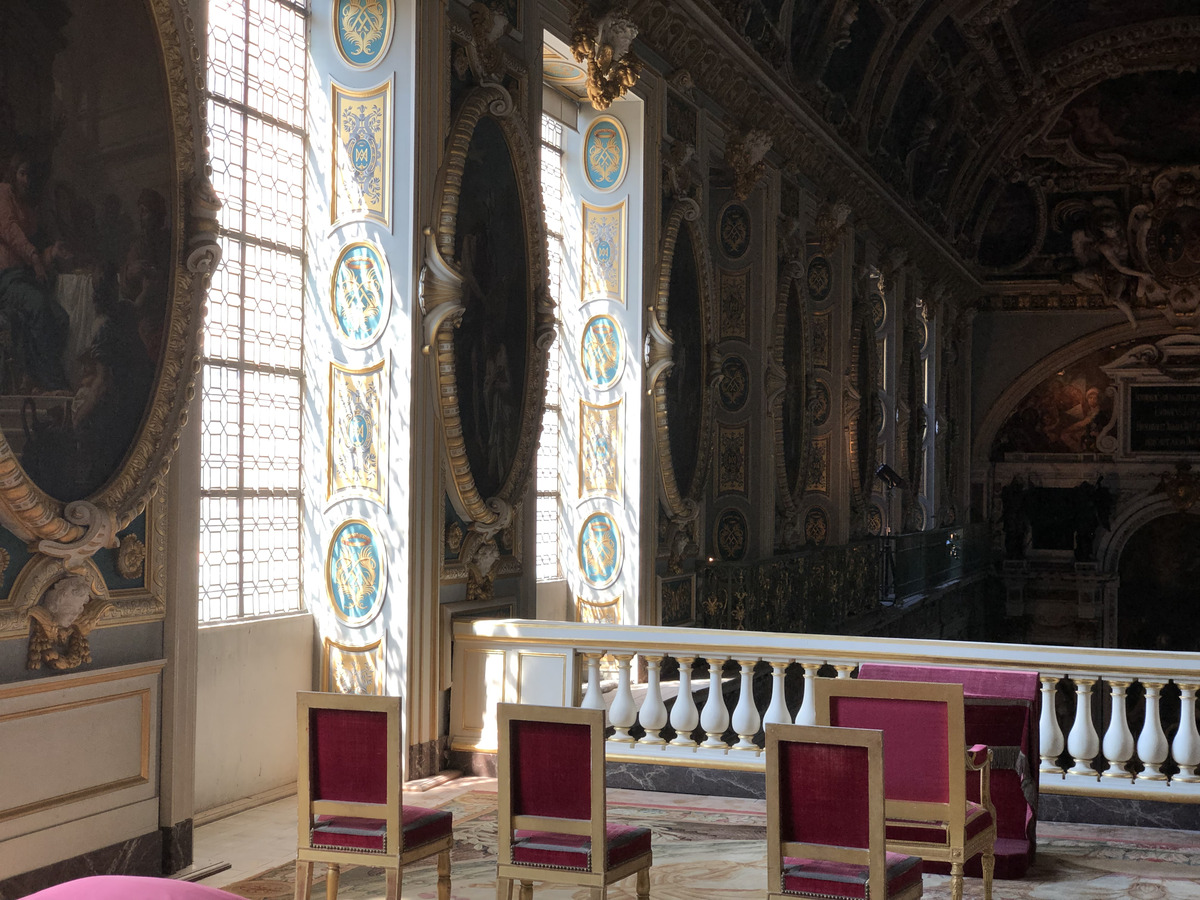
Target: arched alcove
1159 594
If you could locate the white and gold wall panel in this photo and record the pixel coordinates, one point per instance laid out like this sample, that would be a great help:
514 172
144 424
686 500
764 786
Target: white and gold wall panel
604 256
357 425
601 439
362 154
351 669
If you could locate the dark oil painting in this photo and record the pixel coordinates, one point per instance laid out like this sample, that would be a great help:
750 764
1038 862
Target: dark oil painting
491 343
85 235
685 378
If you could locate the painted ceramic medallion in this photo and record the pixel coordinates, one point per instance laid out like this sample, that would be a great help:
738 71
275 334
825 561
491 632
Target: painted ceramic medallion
601 354
734 386
354 573
600 555
734 229
360 294
363 29
606 153
732 535
820 279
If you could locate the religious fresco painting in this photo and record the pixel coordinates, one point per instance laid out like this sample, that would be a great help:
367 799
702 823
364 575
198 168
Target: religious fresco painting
357 425
605 154
601 447
350 669
355 572
602 352
360 293
491 343
362 154
87 228
604 252
733 288
600 550
363 30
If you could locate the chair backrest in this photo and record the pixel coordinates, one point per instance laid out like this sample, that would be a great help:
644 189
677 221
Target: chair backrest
924 767
350 759
825 798
551 773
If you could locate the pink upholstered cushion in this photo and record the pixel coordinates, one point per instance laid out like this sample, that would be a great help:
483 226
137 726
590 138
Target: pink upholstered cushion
574 851
129 887
978 820
821 878
347 833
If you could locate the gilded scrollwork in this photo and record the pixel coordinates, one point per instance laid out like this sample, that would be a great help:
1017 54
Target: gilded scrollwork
131 557
745 153
604 43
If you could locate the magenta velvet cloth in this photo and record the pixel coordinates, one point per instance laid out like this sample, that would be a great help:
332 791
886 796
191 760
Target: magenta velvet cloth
978 820
551 769
820 878
914 742
824 796
574 851
348 752
1001 709
129 887
420 826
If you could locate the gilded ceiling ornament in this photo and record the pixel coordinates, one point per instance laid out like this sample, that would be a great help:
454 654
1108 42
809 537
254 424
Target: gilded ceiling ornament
131 557
745 154
832 225
481 555
682 81
488 26
61 622
101 527
604 44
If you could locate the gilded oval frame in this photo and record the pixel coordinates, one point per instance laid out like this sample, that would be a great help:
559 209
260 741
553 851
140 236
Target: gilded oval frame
793 282
442 291
25 508
681 500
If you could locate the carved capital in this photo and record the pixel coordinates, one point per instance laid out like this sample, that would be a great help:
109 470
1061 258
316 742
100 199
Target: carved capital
745 153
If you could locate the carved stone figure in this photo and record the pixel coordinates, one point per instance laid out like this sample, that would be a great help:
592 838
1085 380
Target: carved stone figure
61 622
604 44
1102 250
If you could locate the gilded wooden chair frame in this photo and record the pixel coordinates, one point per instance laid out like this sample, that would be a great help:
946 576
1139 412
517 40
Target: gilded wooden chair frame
956 849
396 856
874 856
600 875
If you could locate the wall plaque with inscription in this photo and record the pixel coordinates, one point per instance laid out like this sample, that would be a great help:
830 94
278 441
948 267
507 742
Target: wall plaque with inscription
1164 419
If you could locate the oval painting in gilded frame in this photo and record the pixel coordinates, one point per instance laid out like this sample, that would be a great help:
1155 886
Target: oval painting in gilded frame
360 293
606 154
362 30
355 572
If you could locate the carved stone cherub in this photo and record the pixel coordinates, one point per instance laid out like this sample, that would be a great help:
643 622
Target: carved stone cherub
61 622
1102 250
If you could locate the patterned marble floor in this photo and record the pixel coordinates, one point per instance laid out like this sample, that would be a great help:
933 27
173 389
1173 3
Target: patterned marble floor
704 847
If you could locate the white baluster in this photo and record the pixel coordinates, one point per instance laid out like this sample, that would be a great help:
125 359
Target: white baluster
684 715
1118 739
807 713
654 712
1083 742
1050 736
622 714
844 671
1186 748
777 711
594 698
1152 744
714 718
745 715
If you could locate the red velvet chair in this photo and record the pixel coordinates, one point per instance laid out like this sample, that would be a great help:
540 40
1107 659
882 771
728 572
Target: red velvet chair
925 767
825 825
349 786
551 805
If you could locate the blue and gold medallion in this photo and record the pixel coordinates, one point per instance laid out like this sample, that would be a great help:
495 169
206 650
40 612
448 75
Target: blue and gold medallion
360 293
355 576
600 555
606 153
601 352
363 30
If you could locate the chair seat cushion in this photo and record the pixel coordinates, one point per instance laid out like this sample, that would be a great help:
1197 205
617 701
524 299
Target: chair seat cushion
574 851
420 826
821 878
978 821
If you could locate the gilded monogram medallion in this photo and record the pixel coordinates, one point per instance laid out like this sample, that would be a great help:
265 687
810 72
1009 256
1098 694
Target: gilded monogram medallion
603 252
355 572
363 29
816 526
733 304
874 519
820 279
732 535
734 230
601 440
606 153
353 670
732 444
360 294
357 416
362 164
734 387
600 550
601 352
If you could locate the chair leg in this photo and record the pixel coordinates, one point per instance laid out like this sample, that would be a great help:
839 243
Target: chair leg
331 881
989 867
643 884
503 889
526 890
444 875
600 893
392 889
956 881
303 879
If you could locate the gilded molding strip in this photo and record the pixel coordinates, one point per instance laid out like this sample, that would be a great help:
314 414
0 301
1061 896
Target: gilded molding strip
362 154
350 669
604 245
356 452
601 450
